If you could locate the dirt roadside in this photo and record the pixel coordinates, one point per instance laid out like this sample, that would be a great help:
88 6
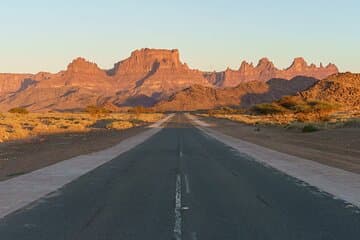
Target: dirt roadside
336 147
20 157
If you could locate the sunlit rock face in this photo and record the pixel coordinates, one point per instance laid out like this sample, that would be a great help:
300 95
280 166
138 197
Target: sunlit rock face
145 78
265 70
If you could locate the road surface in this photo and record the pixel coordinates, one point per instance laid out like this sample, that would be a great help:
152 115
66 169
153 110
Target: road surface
182 184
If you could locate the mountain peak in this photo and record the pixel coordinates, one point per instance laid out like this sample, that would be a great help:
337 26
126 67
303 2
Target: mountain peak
146 59
265 64
298 64
81 65
299 61
245 66
332 67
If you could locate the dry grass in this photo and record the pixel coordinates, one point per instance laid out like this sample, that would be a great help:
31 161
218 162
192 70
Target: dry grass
14 126
255 119
296 120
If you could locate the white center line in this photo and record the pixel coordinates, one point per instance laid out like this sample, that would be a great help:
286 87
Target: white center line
177 226
187 185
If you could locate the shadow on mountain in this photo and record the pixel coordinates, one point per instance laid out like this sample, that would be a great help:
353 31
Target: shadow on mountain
26 83
278 88
70 92
198 97
75 110
140 100
153 70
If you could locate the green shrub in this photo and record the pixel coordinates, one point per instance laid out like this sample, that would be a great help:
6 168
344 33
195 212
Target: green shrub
224 111
140 109
19 110
290 102
303 108
319 106
268 108
309 128
300 106
96 110
352 123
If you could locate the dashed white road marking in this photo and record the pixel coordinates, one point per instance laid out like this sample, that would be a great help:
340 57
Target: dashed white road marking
177 226
187 185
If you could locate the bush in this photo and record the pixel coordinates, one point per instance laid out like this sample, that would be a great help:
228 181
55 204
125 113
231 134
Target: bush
300 106
19 110
268 108
119 125
303 108
319 106
140 109
309 128
290 102
224 111
352 123
96 110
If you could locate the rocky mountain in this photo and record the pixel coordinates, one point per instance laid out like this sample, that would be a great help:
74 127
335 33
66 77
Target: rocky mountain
10 83
145 78
266 70
152 71
244 95
342 89
81 84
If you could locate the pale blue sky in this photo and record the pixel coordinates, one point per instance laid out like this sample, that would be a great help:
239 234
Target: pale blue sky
46 35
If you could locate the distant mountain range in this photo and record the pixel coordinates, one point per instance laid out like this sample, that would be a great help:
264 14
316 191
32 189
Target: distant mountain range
155 77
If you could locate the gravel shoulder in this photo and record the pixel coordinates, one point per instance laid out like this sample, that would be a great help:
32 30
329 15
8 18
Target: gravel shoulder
338 148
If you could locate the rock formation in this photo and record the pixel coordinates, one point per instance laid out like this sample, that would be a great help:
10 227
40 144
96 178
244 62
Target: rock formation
341 89
243 95
265 70
146 77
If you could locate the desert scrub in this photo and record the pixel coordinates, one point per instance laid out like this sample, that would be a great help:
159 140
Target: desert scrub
310 128
96 110
19 126
268 108
290 102
225 111
119 125
351 123
19 110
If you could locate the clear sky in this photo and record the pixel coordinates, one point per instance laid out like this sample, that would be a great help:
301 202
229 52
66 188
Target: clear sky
210 34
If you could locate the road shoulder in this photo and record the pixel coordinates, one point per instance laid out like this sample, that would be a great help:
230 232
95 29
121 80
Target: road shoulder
20 191
339 183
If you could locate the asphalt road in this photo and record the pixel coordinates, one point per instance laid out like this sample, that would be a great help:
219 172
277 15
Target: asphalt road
181 184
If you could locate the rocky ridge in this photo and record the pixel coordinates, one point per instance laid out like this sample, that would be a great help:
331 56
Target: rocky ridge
145 78
266 70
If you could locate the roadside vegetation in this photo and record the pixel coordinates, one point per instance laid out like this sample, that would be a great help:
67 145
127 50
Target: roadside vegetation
19 124
293 113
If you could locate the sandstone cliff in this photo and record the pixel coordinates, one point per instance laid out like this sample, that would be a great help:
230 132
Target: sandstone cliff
146 77
265 70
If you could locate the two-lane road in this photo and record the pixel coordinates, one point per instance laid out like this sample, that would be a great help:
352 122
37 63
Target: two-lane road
181 184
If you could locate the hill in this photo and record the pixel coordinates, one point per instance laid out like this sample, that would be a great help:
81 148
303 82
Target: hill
244 95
